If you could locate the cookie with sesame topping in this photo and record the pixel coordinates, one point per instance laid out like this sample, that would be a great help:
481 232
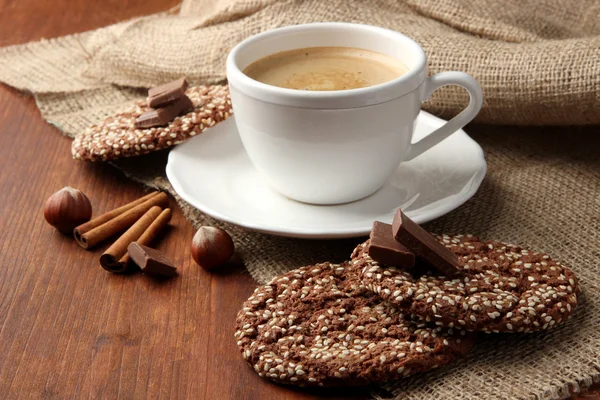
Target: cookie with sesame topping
117 136
319 326
502 287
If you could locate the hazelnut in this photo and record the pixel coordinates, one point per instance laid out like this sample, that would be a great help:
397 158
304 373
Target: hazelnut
211 247
67 209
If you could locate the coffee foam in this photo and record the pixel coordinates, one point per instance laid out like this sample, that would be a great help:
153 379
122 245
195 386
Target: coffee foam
325 69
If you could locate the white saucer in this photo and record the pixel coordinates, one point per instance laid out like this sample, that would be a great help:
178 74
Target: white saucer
213 173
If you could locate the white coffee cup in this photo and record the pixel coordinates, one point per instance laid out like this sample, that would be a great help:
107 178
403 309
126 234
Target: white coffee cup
333 147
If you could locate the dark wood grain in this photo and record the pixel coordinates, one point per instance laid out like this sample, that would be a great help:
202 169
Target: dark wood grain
69 329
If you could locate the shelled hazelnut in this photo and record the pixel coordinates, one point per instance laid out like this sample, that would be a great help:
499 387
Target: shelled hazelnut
67 209
211 247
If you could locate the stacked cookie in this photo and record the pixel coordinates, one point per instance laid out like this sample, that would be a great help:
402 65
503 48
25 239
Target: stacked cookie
389 312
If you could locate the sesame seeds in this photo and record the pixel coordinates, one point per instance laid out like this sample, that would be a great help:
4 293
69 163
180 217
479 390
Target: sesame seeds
116 137
501 284
293 341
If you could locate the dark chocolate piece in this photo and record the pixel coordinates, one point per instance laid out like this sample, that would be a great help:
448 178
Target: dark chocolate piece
163 116
166 94
386 250
424 245
179 83
151 261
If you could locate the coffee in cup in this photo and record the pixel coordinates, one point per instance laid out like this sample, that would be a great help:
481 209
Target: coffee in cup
325 68
326 143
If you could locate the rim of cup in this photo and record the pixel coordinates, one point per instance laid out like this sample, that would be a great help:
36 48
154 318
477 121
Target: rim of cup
379 39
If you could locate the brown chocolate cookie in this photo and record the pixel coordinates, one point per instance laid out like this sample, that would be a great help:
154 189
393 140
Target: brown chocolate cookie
318 325
117 137
502 287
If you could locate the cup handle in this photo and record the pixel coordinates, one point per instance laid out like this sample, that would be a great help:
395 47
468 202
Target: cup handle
476 100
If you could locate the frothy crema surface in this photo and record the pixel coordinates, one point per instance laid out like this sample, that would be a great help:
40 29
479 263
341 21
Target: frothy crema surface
325 69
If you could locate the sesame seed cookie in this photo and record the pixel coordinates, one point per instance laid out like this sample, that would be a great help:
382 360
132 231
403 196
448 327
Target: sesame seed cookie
117 137
502 287
319 326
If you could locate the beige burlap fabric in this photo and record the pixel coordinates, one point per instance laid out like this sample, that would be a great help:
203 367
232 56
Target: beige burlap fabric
538 63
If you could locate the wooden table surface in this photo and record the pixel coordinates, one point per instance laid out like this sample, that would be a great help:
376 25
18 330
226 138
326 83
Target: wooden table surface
69 329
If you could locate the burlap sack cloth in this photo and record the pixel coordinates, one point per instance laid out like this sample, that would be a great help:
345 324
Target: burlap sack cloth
538 62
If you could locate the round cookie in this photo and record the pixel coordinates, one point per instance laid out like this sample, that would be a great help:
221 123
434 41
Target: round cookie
117 137
318 325
502 287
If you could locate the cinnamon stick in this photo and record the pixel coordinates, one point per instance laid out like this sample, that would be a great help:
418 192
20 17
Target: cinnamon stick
151 233
110 259
119 223
101 219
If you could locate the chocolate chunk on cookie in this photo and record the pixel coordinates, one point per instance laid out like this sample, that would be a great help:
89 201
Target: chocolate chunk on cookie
502 287
386 250
163 116
318 325
424 244
167 93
